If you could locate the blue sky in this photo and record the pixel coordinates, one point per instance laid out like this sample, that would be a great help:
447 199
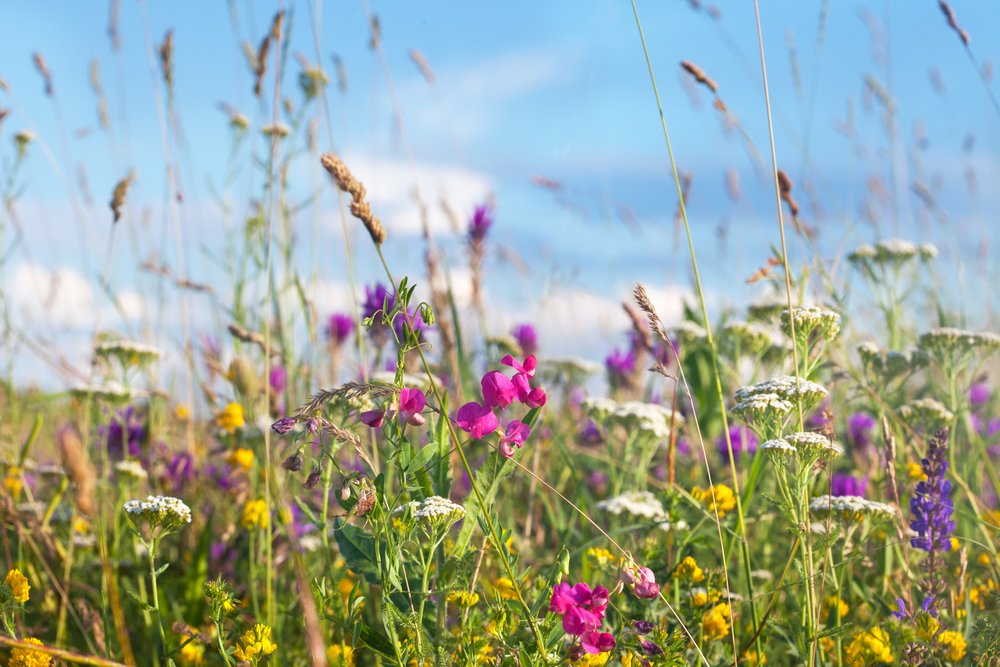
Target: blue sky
523 90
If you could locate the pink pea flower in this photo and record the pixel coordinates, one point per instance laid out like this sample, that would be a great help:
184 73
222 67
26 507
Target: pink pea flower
597 642
373 418
517 433
477 420
532 397
411 404
498 390
528 367
582 610
642 580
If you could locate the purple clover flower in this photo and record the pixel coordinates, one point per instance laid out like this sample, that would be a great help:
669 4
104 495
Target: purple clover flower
620 367
482 220
339 329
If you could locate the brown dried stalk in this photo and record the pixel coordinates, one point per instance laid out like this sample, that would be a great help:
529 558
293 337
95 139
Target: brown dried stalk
360 208
260 60
699 75
421 62
252 337
949 14
166 52
890 469
646 305
79 469
118 196
346 391
43 69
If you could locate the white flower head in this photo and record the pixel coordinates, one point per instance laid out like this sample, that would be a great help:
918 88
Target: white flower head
127 352
111 391
165 512
850 509
814 446
811 322
779 451
131 468
650 418
435 511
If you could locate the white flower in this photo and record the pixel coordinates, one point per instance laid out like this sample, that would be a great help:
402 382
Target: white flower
928 251
809 320
434 509
638 504
648 417
108 390
814 445
122 347
896 249
131 468
850 508
778 450
310 542
688 331
157 510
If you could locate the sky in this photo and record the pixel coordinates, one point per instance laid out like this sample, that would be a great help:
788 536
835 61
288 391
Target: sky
524 94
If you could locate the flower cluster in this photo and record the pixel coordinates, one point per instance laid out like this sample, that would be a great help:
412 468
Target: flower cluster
850 509
927 413
868 648
748 338
650 418
765 406
946 344
17 586
434 510
582 611
127 352
892 252
715 622
131 468
255 644
931 503
499 392
811 322
718 498
890 364
26 657
164 511
640 580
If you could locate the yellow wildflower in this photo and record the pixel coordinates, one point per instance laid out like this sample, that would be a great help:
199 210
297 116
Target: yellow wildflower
340 655
192 654
13 482
834 605
241 457
26 657
954 644
256 643
751 658
80 525
715 622
18 585
505 588
688 571
463 598
601 557
715 498
231 418
927 626
983 559
955 545
255 514
593 660
868 648
915 472
631 660
978 594
182 413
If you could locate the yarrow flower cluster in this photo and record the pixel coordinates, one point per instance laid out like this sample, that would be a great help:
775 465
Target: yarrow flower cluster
434 510
500 392
131 468
811 322
642 505
890 251
927 412
850 509
163 511
582 611
765 406
947 344
127 352
890 364
812 447
748 338
649 418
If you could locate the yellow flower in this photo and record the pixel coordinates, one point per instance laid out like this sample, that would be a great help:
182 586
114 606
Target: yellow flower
182 413
834 605
954 643
255 514
593 660
340 655
984 559
688 571
231 418
13 481
915 472
978 594
927 626
463 599
241 457
256 643
955 545
18 585
25 657
81 525
192 654
719 497
715 622
631 660
751 658
868 648
505 588
601 557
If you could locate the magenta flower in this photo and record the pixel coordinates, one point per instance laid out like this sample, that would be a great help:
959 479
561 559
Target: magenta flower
582 610
527 368
411 403
533 398
642 581
340 327
517 433
498 390
979 393
848 485
526 337
477 420
373 418
482 220
597 642
279 379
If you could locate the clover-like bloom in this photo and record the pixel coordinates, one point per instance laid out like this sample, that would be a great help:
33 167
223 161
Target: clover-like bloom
340 327
498 390
411 404
526 337
477 420
517 433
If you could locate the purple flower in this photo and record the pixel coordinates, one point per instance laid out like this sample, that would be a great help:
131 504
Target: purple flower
742 439
643 627
377 298
279 379
527 338
125 434
848 485
411 403
477 420
283 425
498 390
597 481
979 393
179 471
482 220
620 367
340 327
517 433
859 430
931 503
590 434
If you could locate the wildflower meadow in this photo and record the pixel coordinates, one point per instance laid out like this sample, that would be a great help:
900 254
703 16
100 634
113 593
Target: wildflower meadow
296 373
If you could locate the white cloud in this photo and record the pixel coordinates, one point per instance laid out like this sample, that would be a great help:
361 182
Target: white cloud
60 297
390 185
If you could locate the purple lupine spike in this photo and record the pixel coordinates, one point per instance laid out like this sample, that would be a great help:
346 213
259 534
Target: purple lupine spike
932 507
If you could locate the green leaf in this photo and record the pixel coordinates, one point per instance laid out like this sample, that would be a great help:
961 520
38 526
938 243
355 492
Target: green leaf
358 549
376 641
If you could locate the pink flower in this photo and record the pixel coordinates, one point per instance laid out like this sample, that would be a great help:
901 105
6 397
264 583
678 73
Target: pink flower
373 418
517 433
533 398
411 404
597 642
527 368
477 420
498 391
642 580
578 620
